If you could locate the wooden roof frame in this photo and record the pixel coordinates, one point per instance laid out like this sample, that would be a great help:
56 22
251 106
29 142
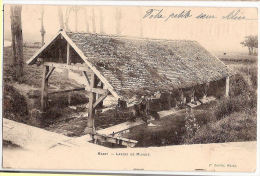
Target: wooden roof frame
82 56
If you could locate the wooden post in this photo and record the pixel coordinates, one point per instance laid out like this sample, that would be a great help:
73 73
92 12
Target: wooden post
44 91
100 105
90 129
227 87
67 72
205 93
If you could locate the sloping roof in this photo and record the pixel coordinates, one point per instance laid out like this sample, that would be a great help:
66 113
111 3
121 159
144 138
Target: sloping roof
135 66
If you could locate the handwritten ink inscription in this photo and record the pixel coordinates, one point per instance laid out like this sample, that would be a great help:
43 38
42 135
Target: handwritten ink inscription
185 14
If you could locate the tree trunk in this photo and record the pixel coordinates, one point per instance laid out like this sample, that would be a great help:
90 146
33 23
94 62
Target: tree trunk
17 40
66 24
76 19
60 13
101 21
93 21
118 21
250 50
141 22
42 26
86 20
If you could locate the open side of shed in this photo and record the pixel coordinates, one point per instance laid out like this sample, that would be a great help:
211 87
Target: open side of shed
62 53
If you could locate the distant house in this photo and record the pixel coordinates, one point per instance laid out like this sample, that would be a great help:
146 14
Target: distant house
130 68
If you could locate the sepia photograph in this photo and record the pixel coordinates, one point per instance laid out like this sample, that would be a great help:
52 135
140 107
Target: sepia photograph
129 88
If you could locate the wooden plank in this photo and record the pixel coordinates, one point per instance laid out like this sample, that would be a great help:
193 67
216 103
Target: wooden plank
50 72
114 140
100 99
65 66
120 127
44 89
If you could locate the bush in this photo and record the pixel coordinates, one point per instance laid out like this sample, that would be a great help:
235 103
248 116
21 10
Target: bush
238 85
191 124
227 106
14 105
239 126
252 73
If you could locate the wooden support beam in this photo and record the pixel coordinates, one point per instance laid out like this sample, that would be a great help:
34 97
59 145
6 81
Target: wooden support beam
96 90
68 54
100 85
65 66
64 91
90 129
50 72
44 89
86 76
67 71
114 140
100 99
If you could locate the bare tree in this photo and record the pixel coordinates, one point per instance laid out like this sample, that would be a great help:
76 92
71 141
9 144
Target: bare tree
93 21
101 21
141 22
42 25
17 40
86 19
76 9
60 13
118 21
67 15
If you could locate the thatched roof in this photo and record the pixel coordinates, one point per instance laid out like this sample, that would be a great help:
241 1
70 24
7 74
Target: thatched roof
135 66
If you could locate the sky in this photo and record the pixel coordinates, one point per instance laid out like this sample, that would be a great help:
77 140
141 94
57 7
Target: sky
215 34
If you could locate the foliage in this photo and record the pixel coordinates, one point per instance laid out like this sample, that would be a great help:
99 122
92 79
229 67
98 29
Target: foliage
238 85
14 105
251 42
251 73
238 126
191 124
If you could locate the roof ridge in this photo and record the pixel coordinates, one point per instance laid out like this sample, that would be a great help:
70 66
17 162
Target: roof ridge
131 37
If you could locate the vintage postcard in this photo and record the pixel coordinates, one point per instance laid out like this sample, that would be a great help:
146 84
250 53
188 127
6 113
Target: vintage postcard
141 89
